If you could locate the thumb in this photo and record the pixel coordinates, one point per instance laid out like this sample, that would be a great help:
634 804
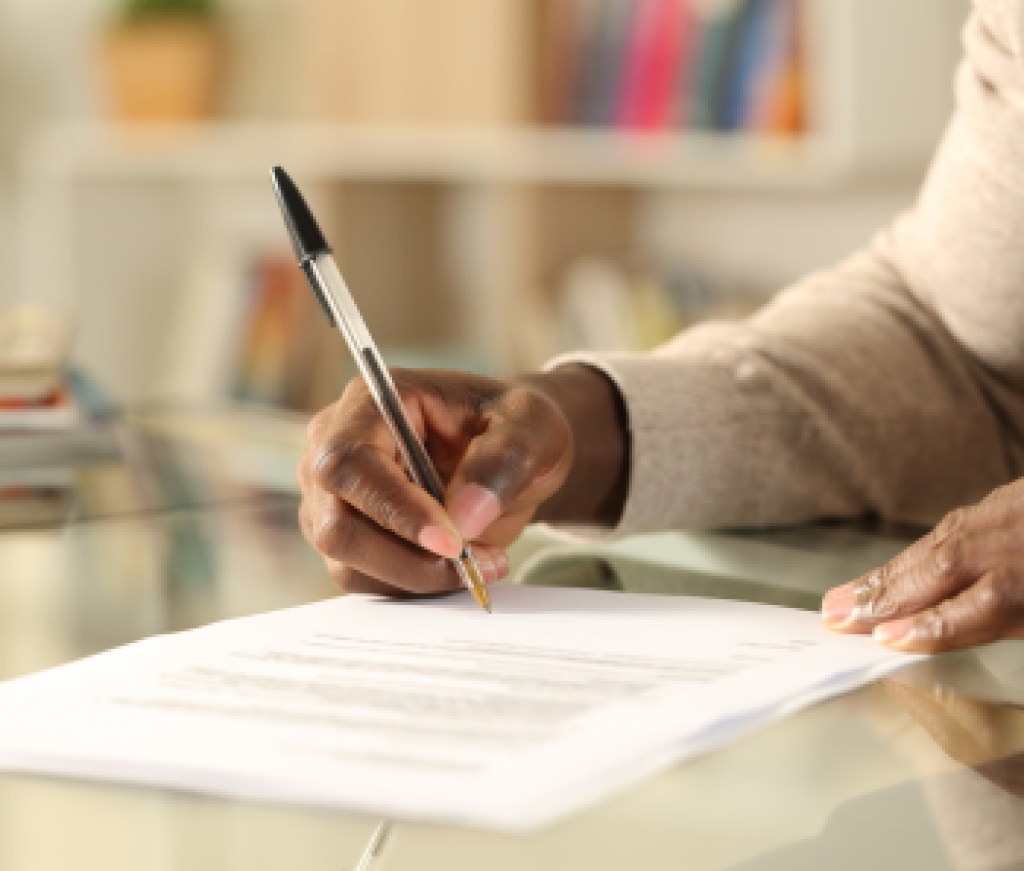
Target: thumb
520 459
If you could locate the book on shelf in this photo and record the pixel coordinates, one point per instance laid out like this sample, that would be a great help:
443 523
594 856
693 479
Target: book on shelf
247 328
601 305
279 335
285 356
724 66
662 30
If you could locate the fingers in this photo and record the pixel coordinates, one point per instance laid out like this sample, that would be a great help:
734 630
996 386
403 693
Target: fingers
960 585
989 610
371 482
937 567
352 455
502 449
519 460
362 557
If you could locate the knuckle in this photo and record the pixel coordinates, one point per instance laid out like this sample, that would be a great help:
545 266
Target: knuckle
871 594
340 465
335 533
878 580
951 525
349 472
936 626
993 595
950 559
881 604
383 504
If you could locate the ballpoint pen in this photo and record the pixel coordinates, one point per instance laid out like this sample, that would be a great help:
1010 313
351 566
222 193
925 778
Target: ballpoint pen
317 262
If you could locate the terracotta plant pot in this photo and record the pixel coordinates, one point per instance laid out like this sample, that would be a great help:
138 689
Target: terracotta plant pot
163 70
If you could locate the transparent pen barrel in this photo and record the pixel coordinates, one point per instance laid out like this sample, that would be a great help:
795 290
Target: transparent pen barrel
345 314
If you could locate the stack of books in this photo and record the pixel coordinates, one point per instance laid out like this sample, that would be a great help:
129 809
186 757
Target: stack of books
732 66
51 417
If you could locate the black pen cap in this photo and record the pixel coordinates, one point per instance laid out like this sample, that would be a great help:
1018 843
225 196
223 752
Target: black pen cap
307 238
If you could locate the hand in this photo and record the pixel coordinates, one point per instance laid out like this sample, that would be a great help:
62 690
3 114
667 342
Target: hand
504 449
960 585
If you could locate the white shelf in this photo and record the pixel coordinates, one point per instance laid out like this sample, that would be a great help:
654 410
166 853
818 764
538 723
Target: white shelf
225 151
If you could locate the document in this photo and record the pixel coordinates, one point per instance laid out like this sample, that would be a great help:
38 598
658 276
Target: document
432 709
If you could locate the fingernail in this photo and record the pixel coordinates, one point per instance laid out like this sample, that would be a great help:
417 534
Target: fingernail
488 568
501 565
838 605
440 541
473 509
895 632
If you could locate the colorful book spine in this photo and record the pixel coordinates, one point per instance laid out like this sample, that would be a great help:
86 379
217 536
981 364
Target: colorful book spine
752 51
663 29
682 101
560 59
636 61
778 105
715 65
593 59
610 60
709 68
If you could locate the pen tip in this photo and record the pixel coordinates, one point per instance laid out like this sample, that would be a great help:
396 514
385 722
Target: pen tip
483 598
470 574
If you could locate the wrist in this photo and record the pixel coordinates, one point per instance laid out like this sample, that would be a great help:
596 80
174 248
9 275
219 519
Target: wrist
595 489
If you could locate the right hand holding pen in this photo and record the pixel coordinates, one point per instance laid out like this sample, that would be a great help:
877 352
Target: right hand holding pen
501 449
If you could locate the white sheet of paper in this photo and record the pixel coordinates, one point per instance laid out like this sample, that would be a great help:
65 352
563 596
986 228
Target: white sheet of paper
432 709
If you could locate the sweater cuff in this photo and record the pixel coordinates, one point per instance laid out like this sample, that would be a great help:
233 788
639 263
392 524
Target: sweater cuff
684 410
627 372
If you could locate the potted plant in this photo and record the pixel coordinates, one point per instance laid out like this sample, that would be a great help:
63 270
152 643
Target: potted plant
163 60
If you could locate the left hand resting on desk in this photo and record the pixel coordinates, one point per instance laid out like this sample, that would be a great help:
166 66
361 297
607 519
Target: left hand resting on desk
960 585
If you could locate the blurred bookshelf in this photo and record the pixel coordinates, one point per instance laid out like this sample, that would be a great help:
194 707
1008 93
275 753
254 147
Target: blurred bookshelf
229 151
459 199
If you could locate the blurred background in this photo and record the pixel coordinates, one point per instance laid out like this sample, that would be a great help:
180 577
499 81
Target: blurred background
501 179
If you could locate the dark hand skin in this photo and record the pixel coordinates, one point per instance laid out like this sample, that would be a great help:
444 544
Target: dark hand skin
959 586
543 447
555 447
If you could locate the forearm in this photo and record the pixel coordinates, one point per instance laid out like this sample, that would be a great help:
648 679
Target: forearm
846 396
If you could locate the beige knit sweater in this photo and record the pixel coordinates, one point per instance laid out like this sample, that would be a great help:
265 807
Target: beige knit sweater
893 384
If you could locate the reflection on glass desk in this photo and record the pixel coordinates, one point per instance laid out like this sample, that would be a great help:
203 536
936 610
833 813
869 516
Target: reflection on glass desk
193 518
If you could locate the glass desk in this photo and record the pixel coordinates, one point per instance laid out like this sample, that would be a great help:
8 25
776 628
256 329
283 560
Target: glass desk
190 516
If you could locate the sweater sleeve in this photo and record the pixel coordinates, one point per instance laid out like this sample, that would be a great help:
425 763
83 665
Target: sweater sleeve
891 385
